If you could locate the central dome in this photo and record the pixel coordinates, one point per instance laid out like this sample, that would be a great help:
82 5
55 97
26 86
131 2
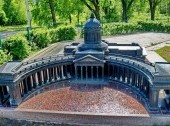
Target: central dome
92 23
92 36
92 31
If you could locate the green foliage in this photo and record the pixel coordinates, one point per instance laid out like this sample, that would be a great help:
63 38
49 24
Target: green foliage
17 46
66 33
154 26
3 18
4 57
15 12
164 52
41 37
119 28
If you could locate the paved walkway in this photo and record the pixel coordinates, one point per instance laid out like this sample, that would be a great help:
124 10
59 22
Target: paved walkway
151 41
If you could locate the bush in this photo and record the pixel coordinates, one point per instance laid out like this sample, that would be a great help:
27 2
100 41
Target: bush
4 57
17 46
66 33
154 26
41 38
119 28
3 18
53 33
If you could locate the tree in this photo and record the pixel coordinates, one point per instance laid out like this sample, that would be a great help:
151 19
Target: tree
94 7
153 4
67 8
110 10
14 11
126 6
43 12
51 4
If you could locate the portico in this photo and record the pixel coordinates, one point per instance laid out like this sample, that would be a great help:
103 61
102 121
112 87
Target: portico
89 68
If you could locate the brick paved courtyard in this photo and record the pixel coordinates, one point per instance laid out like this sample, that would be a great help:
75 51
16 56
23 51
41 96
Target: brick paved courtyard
85 99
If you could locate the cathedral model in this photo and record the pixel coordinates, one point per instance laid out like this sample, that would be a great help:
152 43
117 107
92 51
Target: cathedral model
94 61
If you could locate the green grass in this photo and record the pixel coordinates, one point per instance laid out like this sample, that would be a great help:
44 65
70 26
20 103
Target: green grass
164 52
12 28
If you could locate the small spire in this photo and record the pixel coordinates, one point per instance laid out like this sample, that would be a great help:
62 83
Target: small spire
92 15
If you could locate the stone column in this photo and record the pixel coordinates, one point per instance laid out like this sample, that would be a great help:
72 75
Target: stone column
97 72
36 79
81 73
62 72
86 73
66 71
21 88
5 90
48 76
113 72
75 72
1 95
128 76
25 86
31 81
42 77
107 70
92 72
153 98
102 73
15 95
56 73
133 78
123 74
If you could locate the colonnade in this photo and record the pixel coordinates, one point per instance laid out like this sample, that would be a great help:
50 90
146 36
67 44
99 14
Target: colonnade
130 77
43 77
89 72
4 94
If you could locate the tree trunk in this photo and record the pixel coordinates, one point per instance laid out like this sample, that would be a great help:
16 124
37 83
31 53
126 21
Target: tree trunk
51 3
124 13
97 15
97 12
78 17
152 14
70 18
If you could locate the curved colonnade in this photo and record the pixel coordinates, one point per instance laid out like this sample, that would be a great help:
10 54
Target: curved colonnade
33 75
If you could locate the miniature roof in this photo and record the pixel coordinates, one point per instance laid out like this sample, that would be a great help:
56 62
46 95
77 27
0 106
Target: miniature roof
163 68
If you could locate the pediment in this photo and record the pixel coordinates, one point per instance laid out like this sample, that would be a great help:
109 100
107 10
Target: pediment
89 58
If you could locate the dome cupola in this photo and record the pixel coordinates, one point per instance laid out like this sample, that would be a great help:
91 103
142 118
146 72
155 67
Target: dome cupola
92 31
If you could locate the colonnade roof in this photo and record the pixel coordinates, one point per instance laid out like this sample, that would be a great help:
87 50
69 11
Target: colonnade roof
8 67
162 68
133 62
13 67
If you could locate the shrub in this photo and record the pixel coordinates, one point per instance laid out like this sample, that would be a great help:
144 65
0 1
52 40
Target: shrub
154 26
4 57
41 38
62 33
119 28
53 33
66 33
17 46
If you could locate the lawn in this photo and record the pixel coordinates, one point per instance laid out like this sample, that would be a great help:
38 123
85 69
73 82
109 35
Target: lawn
13 28
164 52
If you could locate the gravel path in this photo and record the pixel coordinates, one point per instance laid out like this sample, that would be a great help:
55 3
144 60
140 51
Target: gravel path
91 99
